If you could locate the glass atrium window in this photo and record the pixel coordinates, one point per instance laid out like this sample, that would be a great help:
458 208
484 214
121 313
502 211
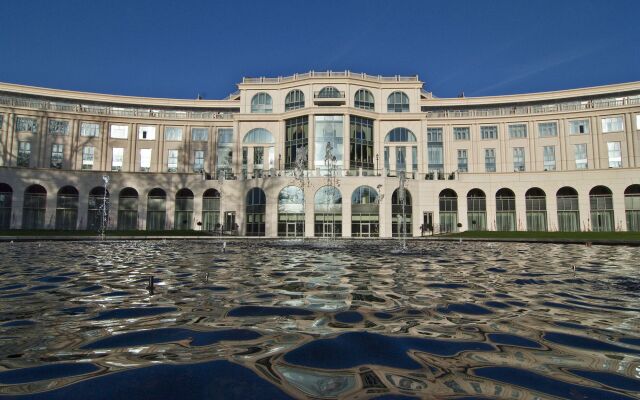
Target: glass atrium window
172 161
612 124
461 133
199 134
296 137
549 156
147 133
24 154
119 131
361 143
490 160
400 135
580 151
363 99
548 129
488 132
117 158
463 161
88 153
57 155
579 127
329 131
518 131
615 156
58 127
24 124
89 129
173 133
261 103
294 100
398 102
518 158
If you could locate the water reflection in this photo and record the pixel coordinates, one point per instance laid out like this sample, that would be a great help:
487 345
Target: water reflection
335 319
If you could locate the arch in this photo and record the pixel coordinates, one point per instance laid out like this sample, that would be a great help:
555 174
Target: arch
211 210
156 209
34 206
329 92
632 207
601 205
258 136
327 207
536 209
364 100
476 210
291 211
256 205
505 210
183 216
400 135
568 209
365 218
401 213
294 100
505 192
398 102
128 209
448 210
6 200
67 208
98 208
261 103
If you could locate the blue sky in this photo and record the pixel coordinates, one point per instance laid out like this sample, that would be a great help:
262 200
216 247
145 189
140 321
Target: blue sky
165 48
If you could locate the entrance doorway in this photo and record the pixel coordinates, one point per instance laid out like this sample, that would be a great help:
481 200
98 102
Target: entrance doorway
230 222
427 222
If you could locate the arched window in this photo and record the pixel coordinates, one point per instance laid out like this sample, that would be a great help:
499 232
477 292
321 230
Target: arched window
98 209
34 206
401 213
363 99
505 210
568 210
365 212
184 210
536 205
328 212
261 103
601 203
448 201
476 210
156 210
398 102
211 210
256 203
128 209
400 135
329 92
67 208
632 207
294 100
6 197
258 136
291 212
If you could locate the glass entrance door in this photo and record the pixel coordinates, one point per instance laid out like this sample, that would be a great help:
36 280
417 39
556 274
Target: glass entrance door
230 222
427 222
327 229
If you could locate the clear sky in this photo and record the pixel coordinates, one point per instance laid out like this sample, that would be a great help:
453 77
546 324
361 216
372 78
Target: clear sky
164 48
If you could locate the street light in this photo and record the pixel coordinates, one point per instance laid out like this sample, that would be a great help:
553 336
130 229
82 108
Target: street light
279 161
377 161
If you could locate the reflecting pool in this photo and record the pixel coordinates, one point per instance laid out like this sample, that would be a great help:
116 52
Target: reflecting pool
318 319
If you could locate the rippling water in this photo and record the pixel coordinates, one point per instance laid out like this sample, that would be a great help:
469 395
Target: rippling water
350 319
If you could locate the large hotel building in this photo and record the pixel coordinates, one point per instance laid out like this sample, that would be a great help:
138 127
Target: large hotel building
322 154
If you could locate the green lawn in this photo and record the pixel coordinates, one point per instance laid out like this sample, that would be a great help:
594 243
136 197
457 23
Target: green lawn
586 236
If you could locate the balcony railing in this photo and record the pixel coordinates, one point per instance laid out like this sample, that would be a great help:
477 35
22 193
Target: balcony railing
332 74
56 106
536 109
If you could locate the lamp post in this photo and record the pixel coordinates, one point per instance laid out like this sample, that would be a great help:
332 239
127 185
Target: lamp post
377 161
279 161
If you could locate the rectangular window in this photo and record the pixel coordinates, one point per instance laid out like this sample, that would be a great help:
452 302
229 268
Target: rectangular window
615 156
24 124
463 161
147 132
580 151
119 131
414 158
434 135
145 160
612 124
172 161
88 153
517 131
401 158
549 157
117 158
435 151
224 152
387 163
579 127
57 154
518 158
1 121
173 133
637 122
199 134
24 154
198 161
461 133
58 127
488 132
90 129
490 160
548 129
